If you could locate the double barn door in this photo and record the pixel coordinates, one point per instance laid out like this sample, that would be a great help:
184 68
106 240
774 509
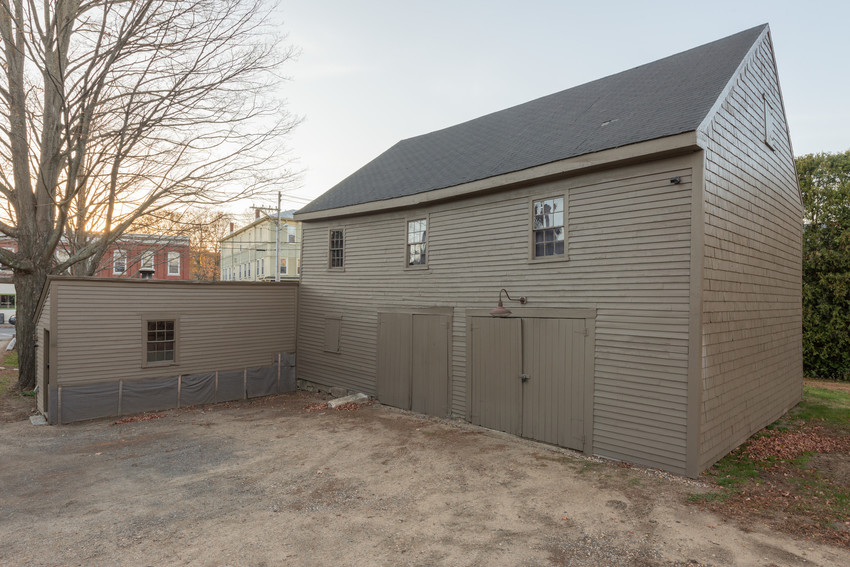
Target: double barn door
529 377
413 361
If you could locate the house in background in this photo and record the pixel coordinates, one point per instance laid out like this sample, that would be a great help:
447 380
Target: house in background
643 232
250 253
8 300
145 256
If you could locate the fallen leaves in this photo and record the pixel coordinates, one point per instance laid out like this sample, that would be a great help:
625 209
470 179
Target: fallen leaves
788 445
144 417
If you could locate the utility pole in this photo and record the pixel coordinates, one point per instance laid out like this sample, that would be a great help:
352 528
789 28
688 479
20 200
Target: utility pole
277 243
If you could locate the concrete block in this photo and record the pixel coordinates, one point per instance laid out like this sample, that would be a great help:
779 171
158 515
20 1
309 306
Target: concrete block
354 398
38 420
338 392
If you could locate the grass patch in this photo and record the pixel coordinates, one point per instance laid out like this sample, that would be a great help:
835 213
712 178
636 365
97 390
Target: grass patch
774 477
10 359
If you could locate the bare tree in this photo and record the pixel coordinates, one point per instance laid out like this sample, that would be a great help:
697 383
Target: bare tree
113 109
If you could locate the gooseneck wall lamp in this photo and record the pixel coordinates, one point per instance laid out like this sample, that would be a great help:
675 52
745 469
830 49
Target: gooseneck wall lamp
501 310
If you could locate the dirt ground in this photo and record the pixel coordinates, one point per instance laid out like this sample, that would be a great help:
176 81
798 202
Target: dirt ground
278 481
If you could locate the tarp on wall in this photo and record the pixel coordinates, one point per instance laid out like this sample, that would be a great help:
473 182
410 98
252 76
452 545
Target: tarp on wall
148 395
197 389
78 403
231 386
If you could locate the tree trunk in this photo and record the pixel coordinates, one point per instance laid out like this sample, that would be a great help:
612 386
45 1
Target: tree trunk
28 287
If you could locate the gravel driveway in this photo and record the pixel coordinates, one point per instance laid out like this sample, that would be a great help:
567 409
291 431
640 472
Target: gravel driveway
278 482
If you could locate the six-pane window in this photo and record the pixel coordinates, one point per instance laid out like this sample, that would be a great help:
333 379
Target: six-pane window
160 342
548 227
337 243
416 232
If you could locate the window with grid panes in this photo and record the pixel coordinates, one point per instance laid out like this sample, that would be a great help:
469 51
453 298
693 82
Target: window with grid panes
337 244
160 341
416 232
548 227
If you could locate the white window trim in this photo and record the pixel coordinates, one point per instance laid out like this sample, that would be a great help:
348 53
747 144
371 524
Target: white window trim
116 254
344 243
170 256
148 254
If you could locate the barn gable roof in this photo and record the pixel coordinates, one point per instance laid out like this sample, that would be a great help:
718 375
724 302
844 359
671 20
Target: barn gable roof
663 98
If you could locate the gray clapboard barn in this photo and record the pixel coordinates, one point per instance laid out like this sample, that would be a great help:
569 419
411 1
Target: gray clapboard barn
109 347
651 220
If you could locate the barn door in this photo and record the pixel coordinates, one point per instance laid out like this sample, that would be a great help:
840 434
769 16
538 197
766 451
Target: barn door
528 378
394 353
496 369
552 396
413 361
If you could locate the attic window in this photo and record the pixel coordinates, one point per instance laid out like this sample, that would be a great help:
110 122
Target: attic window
547 228
770 125
416 242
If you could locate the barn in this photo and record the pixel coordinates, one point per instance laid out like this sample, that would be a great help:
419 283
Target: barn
614 268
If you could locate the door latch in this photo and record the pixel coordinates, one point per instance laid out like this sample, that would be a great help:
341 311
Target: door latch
523 377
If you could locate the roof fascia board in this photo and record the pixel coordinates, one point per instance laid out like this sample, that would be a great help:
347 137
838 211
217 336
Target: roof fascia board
733 80
669 145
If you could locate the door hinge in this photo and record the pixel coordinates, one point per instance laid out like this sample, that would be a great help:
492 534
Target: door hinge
523 377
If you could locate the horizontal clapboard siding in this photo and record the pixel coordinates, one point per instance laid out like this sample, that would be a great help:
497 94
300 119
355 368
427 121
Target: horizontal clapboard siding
629 257
221 326
42 324
752 357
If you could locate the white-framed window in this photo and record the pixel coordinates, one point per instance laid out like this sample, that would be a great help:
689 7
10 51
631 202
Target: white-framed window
283 266
262 266
248 269
548 229
7 301
298 263
174 263
290 234
336 248
119 261
240 271
417 232
147 259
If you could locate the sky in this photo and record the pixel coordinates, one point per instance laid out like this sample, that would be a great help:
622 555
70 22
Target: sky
372 72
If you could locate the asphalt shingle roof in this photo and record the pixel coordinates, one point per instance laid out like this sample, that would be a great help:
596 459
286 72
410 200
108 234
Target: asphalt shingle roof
663 98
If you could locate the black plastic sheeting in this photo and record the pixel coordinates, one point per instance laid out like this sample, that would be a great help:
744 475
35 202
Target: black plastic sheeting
261 381
197 389
231 386
79 403
52 405
287 373
148 395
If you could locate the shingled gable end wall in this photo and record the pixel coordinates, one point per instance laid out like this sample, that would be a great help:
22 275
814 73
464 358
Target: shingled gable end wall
751 324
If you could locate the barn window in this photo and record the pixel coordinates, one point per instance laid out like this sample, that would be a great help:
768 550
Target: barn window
160 341
416 242
770 126
336 248
547 228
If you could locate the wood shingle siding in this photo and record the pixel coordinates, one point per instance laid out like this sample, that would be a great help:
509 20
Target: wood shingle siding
631 264
752 326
